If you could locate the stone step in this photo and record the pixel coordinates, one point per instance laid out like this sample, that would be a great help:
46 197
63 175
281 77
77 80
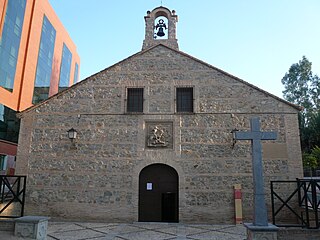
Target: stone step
7 224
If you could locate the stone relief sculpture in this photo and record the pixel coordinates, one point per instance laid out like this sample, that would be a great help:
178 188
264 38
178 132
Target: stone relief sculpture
159 135
157 138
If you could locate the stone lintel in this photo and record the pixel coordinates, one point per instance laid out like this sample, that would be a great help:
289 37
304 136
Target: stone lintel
254 232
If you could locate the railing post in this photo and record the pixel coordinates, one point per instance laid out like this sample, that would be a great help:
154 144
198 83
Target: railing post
1 189
306 207
23 194
272 204
18 187
299 193
314 202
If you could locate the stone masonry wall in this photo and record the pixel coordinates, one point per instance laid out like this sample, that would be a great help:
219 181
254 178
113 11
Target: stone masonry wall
97 177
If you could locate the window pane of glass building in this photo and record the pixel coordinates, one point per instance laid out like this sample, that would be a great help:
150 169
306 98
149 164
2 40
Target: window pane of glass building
10 42
44 65
76 72
2 163
65 68
9 124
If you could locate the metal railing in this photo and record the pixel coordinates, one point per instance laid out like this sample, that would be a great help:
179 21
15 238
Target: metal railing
12 196
296 203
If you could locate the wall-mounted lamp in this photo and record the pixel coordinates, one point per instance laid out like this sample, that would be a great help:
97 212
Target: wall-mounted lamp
72 134
233 131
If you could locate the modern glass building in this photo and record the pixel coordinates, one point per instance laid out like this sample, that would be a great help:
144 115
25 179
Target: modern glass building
37 60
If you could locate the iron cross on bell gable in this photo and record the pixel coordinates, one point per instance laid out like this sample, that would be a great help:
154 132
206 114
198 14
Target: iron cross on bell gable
255 135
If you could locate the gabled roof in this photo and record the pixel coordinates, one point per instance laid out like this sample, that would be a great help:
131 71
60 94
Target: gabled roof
297 107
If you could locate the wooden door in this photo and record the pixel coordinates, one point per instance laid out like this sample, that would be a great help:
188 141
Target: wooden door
158 194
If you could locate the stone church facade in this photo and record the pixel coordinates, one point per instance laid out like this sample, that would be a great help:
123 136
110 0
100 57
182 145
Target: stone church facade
154 140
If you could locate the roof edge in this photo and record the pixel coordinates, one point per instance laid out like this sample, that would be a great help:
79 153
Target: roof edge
20 114
297 107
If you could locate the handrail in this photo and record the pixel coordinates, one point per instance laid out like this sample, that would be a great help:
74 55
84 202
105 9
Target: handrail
12 196
307 193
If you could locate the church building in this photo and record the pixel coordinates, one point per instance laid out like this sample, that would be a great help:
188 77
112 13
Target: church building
151 139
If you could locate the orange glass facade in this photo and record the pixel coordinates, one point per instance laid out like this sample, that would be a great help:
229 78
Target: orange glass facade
29 30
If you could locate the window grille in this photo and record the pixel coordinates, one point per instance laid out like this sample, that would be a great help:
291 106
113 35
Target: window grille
184 99
135 100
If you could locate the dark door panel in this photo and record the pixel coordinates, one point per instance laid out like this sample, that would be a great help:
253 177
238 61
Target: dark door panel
158 194
169 207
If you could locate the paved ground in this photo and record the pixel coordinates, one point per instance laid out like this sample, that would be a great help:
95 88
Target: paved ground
138 231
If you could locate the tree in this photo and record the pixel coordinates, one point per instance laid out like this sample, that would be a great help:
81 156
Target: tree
311 161
313 129
303 88
297 83
315 92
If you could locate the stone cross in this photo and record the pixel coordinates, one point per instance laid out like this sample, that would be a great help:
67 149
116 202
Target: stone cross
260 217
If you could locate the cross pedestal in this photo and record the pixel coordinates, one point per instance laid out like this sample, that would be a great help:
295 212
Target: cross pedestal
260 227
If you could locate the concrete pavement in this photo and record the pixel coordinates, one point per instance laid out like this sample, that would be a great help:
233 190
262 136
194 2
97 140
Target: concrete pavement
138 231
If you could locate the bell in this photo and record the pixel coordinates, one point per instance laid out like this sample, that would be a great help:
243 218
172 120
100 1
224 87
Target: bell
160 33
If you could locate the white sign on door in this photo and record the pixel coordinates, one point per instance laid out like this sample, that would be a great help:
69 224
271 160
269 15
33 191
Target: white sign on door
149 186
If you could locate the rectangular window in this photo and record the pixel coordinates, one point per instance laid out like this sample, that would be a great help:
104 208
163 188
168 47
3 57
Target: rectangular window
65 68
184 99
3 162
44 64
76 72
9 124
10 42
135 100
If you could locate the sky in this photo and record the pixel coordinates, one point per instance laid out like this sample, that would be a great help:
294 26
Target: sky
255 40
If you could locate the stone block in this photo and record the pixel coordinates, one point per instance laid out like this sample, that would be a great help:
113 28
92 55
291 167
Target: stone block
31 227
269 232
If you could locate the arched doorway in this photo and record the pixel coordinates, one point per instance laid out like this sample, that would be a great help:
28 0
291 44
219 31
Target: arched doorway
158 194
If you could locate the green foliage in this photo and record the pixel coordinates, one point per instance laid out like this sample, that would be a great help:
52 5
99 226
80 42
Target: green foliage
315 92
316 152
312 160
297 83
309 161
313 130
303 88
